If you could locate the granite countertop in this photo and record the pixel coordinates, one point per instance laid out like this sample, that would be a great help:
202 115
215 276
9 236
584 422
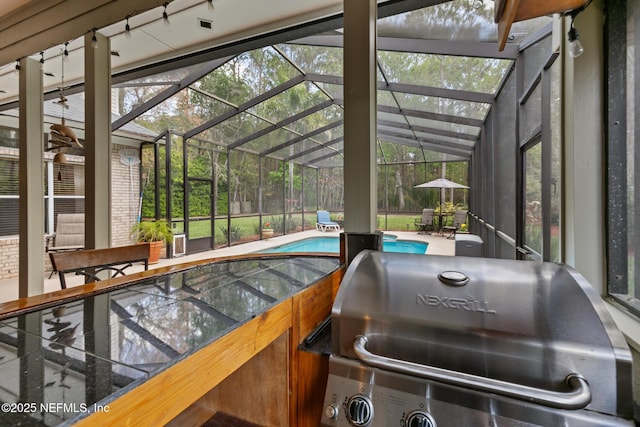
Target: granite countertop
63 361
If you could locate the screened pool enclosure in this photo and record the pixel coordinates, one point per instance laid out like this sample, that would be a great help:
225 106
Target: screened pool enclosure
257 137
250 135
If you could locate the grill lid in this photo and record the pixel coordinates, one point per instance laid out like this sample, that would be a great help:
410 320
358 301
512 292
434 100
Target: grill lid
518 322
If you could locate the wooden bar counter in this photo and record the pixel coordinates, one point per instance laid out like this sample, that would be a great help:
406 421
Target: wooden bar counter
172 346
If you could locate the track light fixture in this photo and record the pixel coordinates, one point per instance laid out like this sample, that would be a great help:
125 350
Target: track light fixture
65 52
94 39
165 15
127 29
210 5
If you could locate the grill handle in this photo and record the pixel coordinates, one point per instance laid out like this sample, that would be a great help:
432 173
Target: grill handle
577 398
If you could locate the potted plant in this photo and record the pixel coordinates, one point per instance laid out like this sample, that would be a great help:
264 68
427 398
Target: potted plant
267 231
156 233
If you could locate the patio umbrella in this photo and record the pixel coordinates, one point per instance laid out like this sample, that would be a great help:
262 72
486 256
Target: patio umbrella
440 183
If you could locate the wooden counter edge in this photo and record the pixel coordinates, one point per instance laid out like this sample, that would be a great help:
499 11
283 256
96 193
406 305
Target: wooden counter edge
310 308
38 302
165 395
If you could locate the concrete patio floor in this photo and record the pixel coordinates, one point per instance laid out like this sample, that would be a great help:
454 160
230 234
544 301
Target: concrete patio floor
438 245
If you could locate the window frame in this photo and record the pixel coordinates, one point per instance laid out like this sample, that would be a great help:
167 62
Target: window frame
619 243
535 92
532 253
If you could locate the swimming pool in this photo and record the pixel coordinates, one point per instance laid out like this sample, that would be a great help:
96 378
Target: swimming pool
332 244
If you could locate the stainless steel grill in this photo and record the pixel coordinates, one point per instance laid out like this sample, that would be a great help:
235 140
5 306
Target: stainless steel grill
426 341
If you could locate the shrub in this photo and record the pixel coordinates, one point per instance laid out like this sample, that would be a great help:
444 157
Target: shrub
236 232
152 231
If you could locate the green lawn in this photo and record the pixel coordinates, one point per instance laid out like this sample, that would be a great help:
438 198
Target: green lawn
397 222
248 226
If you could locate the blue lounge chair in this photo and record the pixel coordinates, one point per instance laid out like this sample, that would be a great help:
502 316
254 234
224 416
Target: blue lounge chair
324 222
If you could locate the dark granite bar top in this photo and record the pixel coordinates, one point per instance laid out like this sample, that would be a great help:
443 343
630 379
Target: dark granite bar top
61 362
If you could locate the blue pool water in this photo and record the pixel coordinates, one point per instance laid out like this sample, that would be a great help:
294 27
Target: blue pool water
332 244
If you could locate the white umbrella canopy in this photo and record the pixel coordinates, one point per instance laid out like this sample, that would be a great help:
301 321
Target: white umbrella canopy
440 183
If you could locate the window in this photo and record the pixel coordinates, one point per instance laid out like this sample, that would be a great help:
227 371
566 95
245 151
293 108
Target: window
64 191
623 145
64 187
9 197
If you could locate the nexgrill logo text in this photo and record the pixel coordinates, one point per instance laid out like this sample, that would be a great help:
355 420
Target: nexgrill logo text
468 304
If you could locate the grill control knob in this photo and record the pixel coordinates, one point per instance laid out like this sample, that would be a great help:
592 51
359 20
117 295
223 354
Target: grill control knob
359 411
419 419
331 412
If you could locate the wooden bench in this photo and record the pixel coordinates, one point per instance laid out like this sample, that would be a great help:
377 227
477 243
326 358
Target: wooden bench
91 262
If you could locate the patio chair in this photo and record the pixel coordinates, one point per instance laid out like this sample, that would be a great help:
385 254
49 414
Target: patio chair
422 225
459 218
324 222
69 234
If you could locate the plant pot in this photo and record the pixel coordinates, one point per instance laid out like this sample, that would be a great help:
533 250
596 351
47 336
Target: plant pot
154 252
267 232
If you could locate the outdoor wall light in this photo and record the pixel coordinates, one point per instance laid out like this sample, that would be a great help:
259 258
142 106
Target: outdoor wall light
575 47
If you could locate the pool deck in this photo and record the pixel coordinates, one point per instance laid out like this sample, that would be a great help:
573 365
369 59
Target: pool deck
438 245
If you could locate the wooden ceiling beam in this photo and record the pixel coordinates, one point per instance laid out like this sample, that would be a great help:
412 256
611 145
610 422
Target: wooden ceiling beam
509 11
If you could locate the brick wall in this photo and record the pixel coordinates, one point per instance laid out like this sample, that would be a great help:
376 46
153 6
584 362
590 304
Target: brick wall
9 258
124 207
